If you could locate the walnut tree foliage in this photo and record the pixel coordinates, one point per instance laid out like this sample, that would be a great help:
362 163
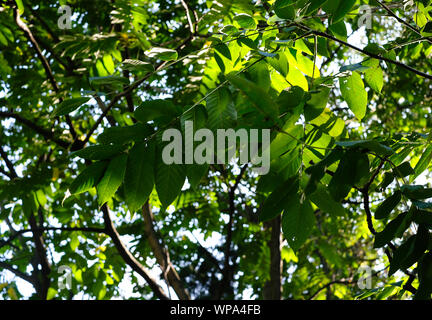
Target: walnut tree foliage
83 185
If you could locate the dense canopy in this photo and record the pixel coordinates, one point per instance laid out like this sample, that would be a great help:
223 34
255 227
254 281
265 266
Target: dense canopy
89 208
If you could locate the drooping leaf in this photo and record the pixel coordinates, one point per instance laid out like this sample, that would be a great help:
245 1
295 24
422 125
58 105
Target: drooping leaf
423 163
425 278
341 8
290 98
112 179
161 110
221 110
278 199
88 178
403 170
122 135
374 77
69 105
416 192
284 9
298 221
323 200
354 93
353 167
316 104
169 180
139 177
256 95
410 251
390 231
388 205
98 152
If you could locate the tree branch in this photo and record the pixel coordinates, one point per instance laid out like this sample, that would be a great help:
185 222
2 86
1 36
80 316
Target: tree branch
44 62
162 255
9 164
191 25
32 125
17 272
128 257
273 288
370 54
391 13
365 193
43 283
227 268
346 282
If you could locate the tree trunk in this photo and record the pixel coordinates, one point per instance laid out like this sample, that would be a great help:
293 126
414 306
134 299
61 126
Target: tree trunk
273 288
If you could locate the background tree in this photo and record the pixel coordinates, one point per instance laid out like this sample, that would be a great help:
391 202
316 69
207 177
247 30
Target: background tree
82 180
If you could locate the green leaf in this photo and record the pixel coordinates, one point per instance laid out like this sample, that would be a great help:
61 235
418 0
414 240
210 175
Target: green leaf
424 290
223 49
388 178
51 291
354 67
323 200
260 74
162 54
221 110
427 29
341 9
122 135
416 192
290 98
98 152
298 221
314 5
248 42
410 251
400 254
169 181
423 217
278 199
74 241
375 78
279 63
354 93
160 110
88 178
20 6
371 145
388 205
316 104
339 30
245 21
403 170
423 163
353 167
257 96
139 177
284 9
137 65
108 80
229 29
195 173
390 231
112 179
67 106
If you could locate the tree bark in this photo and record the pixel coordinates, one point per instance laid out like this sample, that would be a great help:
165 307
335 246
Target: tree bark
273 288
